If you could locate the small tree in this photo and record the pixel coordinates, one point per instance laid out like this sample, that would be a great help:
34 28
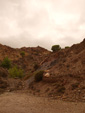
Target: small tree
6 63
55 48
16 72
67 47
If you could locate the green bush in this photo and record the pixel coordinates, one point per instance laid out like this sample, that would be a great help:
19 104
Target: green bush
6 63
55 48
22 53
39 76
67 47
16 72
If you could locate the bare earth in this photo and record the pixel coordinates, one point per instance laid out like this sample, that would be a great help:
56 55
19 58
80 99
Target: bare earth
26 103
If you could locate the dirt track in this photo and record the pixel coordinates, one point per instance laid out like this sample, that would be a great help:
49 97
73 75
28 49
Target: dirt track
25 103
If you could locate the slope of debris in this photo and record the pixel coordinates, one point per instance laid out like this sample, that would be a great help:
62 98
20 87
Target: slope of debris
66 70
32 56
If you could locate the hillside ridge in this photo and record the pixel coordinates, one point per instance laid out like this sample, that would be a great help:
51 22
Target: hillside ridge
66 70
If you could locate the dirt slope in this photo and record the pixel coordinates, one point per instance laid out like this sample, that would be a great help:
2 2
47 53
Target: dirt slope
67 74
66 68
33 55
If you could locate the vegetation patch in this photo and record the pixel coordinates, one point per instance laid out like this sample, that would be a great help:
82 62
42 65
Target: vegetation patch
6 63
16 72
67 47
39 75
55 48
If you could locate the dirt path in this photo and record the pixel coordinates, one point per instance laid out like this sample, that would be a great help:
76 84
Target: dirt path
25 103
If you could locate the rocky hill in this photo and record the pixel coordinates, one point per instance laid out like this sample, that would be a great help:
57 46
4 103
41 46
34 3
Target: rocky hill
66 70
32 57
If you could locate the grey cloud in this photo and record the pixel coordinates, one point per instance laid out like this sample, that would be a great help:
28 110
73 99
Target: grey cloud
41 22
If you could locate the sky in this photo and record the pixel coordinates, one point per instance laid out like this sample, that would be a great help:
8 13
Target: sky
42 23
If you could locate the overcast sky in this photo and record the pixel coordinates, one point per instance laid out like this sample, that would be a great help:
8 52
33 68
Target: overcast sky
42 22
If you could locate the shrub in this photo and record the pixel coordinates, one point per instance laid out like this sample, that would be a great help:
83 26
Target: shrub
16 72
55 48
39 76
22 53
6 63
67 47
